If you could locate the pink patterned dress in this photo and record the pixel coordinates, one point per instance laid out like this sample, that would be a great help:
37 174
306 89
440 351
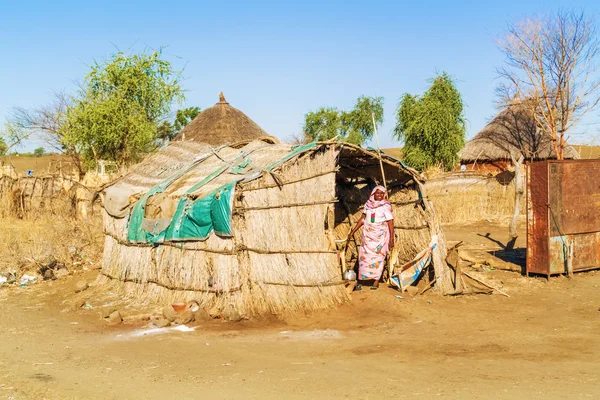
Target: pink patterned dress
375 237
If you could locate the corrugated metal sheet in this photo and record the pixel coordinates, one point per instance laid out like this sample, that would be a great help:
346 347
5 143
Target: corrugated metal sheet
563 210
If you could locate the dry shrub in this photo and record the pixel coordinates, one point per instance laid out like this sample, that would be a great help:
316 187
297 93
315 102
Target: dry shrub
31 242
470 198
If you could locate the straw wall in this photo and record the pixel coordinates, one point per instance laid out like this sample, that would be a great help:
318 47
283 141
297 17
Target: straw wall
291 256
173 271
467 198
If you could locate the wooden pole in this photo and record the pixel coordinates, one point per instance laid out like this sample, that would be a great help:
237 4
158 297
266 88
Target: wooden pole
379 151
512 227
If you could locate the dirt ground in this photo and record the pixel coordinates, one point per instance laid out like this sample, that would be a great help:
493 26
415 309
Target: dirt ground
542 342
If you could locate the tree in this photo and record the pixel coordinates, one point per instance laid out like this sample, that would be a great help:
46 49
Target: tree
552 64
354 126
168 130
432 126
39 151
47 122
120 106
12 135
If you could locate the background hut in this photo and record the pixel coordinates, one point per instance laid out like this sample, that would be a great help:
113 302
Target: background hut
513 131
252 227
222 124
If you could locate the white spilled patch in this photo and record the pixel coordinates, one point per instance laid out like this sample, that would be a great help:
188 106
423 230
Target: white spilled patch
316 334
155 331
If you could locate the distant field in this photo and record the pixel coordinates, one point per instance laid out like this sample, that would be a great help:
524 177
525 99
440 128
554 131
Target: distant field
39 165
585 152
394 152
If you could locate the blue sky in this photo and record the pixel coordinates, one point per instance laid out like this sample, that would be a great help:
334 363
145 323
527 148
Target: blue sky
273 60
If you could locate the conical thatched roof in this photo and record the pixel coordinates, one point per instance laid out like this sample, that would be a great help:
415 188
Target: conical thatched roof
222 124
513 131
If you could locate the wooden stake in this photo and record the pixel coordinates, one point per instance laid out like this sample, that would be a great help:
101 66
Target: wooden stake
570 258
379 151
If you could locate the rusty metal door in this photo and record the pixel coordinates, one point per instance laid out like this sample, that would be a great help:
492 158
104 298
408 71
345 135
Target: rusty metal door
563 216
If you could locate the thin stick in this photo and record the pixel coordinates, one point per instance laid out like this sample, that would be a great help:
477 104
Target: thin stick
309 285
379 151
570 258
429 285
314 203
170 287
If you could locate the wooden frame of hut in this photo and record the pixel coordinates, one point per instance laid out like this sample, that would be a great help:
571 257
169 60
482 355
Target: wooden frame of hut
288 206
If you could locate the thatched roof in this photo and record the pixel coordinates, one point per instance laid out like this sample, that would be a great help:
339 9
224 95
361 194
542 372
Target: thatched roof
222 124
513 131
179 155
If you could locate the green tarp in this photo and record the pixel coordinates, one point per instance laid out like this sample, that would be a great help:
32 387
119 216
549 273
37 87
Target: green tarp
135 232
196 219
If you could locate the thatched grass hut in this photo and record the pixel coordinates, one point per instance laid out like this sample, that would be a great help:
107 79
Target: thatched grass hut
252 227
513 131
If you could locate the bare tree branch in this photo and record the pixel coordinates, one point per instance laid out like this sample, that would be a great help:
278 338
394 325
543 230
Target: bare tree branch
13 135
552 62
47 123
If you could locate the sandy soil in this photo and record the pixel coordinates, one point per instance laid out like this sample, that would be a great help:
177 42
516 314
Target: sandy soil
540 343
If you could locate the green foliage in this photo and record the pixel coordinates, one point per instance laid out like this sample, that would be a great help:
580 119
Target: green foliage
39 151
168 130
354 126
12 135
120 106
323 124
143 79
432 126
184 117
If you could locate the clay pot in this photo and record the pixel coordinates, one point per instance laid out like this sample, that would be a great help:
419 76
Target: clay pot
179 307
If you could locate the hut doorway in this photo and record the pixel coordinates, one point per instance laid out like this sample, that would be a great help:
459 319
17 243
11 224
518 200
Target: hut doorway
357 175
